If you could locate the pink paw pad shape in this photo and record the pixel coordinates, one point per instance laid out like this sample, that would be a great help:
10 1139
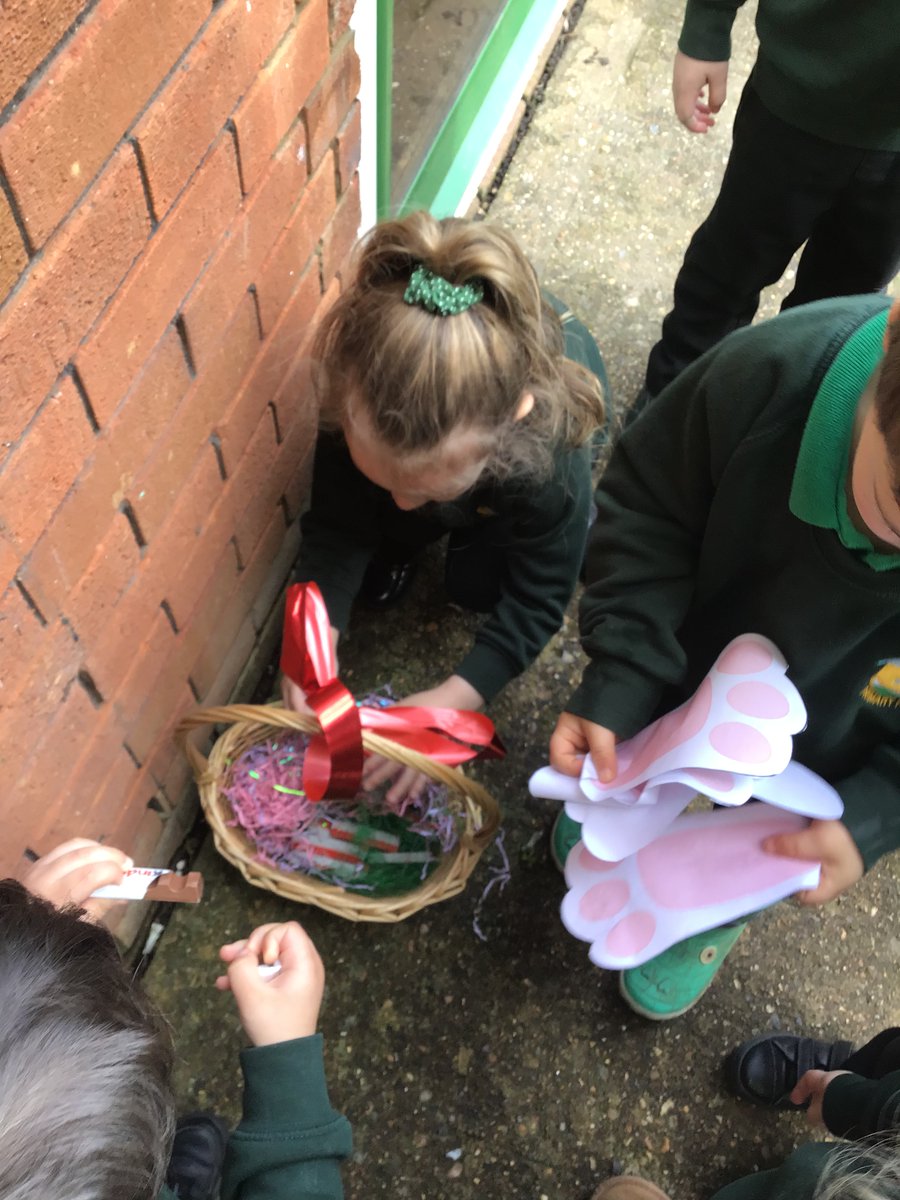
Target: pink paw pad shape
739 721
737 727
706 869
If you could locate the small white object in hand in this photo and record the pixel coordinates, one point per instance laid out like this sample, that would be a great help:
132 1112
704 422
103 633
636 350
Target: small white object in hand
269 970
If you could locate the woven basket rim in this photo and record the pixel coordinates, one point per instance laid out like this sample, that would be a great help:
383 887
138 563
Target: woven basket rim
246 721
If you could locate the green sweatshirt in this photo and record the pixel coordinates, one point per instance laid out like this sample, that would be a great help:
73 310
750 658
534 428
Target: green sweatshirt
538 533
828 67
290 1142
856 1107
695 543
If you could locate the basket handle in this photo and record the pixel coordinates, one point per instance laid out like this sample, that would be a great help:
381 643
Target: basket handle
284 718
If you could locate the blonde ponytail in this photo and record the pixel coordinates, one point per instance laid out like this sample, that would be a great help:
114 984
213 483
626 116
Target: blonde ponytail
420 375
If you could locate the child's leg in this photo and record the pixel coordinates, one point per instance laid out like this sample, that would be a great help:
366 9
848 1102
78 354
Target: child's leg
777 184
878 1057
855 246
392 569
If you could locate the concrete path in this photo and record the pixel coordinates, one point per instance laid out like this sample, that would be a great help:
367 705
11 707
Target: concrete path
509 1067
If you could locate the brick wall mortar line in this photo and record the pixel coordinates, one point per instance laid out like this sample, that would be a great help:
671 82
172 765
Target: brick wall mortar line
11 446
38 257
184 339
127 136
35 80
232 129
32 80
16 216
84 397
145 182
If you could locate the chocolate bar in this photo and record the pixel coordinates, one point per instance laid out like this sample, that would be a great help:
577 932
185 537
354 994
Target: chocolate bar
154 883
176 889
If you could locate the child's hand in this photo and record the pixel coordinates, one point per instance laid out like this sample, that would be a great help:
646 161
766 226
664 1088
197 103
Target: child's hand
294 697
573 738
689 78
287 1005
827 842
811 1087
408 783
70 872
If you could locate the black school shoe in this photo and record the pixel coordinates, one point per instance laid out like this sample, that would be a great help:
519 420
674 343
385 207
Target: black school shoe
765 1069
386 581
198 1153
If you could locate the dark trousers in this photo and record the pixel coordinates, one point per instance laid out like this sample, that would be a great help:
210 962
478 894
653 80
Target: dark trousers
782 187
474 567
878 1057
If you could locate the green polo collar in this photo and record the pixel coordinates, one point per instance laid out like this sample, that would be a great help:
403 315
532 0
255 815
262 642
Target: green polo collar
818 494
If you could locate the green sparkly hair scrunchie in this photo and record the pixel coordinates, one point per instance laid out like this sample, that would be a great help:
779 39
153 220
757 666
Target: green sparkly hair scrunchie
437 295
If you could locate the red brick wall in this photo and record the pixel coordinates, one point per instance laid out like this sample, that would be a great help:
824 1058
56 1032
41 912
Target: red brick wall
178 194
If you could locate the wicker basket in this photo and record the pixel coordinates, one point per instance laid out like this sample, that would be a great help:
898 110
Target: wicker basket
250 724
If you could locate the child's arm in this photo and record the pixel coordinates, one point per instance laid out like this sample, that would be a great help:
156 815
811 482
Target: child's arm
653 507
537 541
538 536
653 504
850 1105
811 1087
290 1142
701 62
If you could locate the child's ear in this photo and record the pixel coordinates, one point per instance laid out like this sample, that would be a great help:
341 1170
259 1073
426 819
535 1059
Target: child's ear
526 404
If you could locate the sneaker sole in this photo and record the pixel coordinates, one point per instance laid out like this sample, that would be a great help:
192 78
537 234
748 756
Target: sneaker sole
635 1006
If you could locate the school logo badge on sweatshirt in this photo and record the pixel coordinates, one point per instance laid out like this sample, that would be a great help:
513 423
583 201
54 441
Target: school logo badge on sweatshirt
883 688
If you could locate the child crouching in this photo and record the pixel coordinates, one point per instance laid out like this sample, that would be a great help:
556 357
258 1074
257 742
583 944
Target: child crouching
86 1101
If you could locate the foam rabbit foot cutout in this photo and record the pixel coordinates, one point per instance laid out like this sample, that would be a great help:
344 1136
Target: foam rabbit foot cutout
708 868
613 833
732 740
738 723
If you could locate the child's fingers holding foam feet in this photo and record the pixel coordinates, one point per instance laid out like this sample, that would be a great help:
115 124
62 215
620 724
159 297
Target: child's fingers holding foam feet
829 843
285 1005
573 738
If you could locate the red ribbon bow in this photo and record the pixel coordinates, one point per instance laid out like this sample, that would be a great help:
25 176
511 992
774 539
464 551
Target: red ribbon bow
333 762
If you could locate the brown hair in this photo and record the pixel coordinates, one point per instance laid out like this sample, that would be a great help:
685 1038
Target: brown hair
887 396
86 1105
419 375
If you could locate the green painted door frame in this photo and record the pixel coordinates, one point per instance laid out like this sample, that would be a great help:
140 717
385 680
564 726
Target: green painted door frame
472 120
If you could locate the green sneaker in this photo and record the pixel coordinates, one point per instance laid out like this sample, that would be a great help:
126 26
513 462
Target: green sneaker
674 981
566 833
